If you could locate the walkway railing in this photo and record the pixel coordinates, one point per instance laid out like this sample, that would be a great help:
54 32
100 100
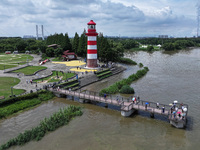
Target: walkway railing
125 104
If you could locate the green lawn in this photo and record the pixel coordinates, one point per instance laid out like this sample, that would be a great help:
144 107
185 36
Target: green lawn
30 70
53 77
6 66
5 86
12 60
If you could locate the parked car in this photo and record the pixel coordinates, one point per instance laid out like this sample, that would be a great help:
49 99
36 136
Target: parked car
27 52
15 52
7 52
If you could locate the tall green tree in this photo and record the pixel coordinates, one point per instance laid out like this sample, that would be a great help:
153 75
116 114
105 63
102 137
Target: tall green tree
67 44
75 43
82 47
50 52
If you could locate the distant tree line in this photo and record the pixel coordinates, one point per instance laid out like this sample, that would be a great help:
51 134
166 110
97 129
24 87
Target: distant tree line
21 45
168 44
109 49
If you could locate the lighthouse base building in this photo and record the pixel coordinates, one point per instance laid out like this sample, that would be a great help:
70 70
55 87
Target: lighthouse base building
92 45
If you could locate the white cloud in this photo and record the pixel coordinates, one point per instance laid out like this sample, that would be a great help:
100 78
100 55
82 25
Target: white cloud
113 17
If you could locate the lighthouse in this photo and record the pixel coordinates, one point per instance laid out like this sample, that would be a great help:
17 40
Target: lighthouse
92 45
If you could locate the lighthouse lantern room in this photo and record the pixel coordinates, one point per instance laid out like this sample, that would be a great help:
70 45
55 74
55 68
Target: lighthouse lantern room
92 45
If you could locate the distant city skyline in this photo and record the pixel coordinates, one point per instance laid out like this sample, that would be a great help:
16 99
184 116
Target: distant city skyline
131 18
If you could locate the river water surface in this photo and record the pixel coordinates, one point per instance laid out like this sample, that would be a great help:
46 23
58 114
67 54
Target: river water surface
172 76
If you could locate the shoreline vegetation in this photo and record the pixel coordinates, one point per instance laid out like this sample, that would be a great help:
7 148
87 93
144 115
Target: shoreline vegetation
127 61
116 87
13 105
58 119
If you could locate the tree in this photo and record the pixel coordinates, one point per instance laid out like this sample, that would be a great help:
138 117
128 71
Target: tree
58 52
21 45
82 47
150 48
75 43
67 44
50 52
108 50
168 46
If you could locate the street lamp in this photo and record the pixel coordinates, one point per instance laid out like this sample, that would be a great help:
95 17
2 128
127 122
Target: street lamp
11 91
27 60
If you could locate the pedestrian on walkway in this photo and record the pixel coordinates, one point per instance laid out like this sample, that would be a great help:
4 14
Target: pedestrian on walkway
157 105
105 95
117 98
163 109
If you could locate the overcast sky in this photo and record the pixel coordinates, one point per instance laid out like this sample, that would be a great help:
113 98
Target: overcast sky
176 18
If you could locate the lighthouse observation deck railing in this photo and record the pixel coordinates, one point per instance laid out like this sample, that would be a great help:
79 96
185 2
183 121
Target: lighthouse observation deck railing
126 104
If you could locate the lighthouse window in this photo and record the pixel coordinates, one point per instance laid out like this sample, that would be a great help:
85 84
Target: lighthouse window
91 27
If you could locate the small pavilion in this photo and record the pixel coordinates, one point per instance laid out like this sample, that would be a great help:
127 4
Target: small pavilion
67 56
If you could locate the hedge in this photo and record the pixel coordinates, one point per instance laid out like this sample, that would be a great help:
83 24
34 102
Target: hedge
67 83
127 61
115 88
99 72
23 97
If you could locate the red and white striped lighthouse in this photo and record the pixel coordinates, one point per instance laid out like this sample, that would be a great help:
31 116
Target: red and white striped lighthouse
92 45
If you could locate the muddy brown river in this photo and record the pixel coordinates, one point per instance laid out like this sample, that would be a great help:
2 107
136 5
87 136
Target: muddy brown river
172 76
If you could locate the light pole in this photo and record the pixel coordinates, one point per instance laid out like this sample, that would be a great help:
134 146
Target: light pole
27 60
11 91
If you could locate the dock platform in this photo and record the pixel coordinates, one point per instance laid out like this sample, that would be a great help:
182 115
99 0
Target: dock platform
176 113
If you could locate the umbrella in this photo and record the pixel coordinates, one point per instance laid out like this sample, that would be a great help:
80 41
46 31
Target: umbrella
146 103
178 112
185 109
175 101
170 104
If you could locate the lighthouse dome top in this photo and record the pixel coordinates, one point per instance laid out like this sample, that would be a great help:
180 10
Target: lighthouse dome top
91 22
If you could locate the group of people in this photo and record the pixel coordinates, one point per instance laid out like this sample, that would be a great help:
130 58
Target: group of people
136 100
29 81
178 112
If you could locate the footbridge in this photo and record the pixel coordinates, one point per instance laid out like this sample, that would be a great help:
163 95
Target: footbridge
177 114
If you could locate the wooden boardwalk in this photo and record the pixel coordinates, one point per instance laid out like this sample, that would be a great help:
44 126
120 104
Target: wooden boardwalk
127 105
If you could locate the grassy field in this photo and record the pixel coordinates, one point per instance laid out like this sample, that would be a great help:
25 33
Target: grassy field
5 86
13 60
30 69
53 77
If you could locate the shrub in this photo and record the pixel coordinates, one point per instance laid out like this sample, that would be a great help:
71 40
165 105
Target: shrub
116 87
126 89
127 61
141 65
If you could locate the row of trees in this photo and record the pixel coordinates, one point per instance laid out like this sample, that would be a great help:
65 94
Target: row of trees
21 45
108 49
178 45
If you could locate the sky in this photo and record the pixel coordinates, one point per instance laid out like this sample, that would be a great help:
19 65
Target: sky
132 18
